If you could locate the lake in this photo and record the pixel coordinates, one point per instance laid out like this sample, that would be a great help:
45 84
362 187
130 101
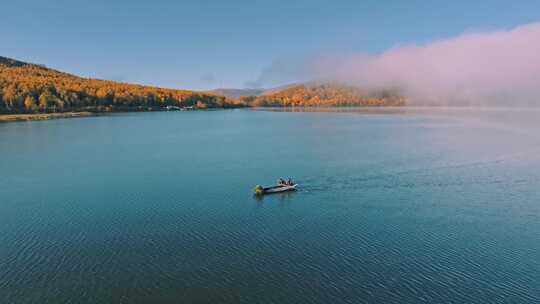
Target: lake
394 206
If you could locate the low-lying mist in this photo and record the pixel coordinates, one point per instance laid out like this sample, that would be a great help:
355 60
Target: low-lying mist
499 68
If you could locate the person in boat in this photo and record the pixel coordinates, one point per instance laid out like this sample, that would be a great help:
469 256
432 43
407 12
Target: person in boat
290 182
281 181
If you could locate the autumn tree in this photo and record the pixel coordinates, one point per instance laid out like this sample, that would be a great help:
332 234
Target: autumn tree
201 105
46 100
30 103
54 90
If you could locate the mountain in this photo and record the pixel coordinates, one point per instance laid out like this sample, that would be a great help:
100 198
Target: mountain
280 88
235 93
313 94
324 94
31 88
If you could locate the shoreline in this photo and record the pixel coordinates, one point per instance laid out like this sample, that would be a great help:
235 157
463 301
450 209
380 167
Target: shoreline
43 116
6 118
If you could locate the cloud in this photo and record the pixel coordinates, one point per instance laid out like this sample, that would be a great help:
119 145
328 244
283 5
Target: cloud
208 78
281 71
490 68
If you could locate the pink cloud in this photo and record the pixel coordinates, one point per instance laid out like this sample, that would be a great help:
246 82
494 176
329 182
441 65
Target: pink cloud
492 68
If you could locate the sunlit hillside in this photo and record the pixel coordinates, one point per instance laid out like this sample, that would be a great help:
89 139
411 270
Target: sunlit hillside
325 94
31 88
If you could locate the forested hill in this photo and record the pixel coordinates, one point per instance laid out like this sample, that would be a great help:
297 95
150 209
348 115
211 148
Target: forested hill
31 88
325 94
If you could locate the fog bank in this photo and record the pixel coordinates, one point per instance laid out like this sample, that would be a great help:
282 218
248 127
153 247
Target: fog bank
499 68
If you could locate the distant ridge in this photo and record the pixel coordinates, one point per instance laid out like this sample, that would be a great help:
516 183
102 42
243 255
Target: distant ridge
235 93
314 94
281 88
321 94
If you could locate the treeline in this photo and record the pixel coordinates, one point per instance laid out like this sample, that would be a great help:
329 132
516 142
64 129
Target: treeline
325 95
30 88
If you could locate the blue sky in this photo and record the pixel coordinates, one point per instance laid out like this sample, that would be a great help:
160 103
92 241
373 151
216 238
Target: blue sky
207 44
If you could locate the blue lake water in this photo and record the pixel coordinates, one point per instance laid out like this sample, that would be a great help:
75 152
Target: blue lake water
404 206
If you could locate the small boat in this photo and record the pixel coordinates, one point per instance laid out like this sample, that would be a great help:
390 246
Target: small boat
260 190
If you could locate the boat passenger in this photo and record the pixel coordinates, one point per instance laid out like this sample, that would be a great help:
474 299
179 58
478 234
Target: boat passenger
290 182
281 181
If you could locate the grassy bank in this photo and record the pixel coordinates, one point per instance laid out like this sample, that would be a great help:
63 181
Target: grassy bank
42 116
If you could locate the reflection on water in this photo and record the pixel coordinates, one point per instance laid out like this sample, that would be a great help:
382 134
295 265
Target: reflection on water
431 205
365 110
280 197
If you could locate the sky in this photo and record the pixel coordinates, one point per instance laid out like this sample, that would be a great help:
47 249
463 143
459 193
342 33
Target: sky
201 44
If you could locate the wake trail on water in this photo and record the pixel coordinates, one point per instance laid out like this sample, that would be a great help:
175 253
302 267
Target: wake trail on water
428 176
